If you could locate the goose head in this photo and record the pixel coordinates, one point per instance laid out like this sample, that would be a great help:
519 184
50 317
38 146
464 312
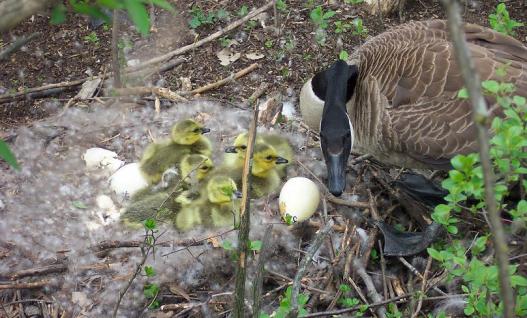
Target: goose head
222 189
187 132
325 97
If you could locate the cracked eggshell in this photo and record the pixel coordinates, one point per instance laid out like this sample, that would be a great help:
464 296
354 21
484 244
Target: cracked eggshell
128 180
102 158
299 198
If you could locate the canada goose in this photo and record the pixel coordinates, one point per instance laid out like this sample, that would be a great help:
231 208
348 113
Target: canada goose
396 97
217 206
235 154
195 168
186 138
265 177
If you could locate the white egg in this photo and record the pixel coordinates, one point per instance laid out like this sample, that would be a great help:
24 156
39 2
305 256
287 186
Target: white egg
299 198
96 158
128 180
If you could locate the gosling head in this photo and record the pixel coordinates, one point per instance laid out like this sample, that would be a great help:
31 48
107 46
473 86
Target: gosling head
239 146
222 189
195 164
265 159
329 91
188 132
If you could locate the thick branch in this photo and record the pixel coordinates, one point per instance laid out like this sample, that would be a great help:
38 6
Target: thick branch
481 118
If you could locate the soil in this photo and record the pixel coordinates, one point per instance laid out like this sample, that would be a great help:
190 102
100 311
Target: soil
75 50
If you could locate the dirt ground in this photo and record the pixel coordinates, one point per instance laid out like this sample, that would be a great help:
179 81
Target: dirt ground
75 50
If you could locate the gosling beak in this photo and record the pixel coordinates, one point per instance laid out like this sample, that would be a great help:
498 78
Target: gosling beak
205 130
231 149
237 194
280 160
336 164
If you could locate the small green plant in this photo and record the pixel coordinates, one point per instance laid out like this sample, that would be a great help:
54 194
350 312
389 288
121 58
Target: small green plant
251 24
465 182
358 28
321 18
255 245
393 312
150 290
200 18
501 21
285 305
281 5
224 41
268 43
347 302
8 156
342 27
92 38
353 1
243 11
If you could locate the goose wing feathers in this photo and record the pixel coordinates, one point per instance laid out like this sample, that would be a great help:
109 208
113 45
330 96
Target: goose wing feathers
418 77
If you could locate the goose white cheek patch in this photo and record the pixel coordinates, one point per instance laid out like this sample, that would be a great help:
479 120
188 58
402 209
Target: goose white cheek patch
352 132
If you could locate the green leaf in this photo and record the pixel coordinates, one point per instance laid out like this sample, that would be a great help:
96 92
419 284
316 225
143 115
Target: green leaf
150 224
139 15
344 288
343 55
463 93
58 14
491 86
435 254
7 155
79 205
255 245
452 229
149 271
519 100
469 310
227 245
329 14
479 245
243 11
163 4
151 290
517 280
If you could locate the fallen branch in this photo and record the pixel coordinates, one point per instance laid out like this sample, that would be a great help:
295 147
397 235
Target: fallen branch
481 119
199 43
370 287
223 81
245 222
255 95
43 270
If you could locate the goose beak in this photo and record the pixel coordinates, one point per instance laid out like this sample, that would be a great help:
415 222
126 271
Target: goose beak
336 164
280 160
205 130
231 149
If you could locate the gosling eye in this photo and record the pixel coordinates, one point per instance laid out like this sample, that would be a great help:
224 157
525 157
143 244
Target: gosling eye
197 130
243 147
204 168
269 158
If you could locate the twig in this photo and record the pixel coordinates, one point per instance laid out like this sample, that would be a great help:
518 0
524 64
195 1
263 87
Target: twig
4 54
317 242
383 270
256 94
223 81
30 285
158 91
245 222
372 236
481 119
115 50
192 242
258 279
199 43
416 273
306 286
370 287
423 287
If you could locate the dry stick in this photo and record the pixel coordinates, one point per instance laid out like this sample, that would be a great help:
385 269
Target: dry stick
481 118
224 81
199 43
416 273
423 287
158 91
43 270
115 50
383 270
257 93
372 237
4 54
370 287
317 242
245 222
29 285
258 279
